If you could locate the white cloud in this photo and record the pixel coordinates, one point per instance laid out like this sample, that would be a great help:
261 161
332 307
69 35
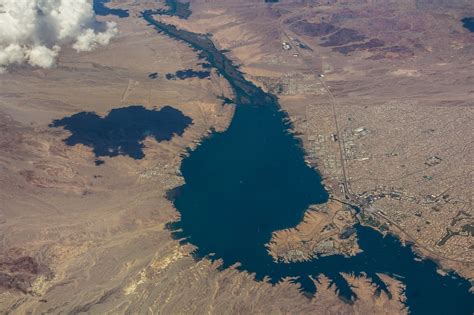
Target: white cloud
11 54
89 39
33 31
42 56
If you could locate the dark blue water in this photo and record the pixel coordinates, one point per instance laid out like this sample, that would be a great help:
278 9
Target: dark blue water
153 75
246 182
101 9
188 73
177 8
123 130
468 22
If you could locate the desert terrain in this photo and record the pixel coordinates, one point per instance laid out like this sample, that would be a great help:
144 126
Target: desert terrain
383 109
383 106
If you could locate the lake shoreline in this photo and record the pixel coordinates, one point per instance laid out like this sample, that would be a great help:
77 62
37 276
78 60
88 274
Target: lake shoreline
243 101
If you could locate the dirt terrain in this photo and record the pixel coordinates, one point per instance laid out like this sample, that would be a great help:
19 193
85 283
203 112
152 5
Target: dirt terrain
383 107
326 229
77 237
381 94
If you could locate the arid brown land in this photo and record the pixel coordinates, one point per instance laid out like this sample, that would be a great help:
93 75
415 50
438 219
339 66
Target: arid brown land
381 95
81 238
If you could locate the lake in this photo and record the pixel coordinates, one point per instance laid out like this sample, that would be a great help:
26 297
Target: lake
250 180
123 130
468 22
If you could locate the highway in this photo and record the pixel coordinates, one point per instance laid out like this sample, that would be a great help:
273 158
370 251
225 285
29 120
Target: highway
340 141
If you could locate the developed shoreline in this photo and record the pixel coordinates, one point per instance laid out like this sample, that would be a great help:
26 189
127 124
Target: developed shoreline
174 28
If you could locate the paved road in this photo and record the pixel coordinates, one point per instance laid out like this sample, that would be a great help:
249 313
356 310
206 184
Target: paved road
354 200
340 141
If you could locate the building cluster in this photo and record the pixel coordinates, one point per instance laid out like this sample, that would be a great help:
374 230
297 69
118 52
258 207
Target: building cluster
169 177
353 151
322 151
285 46
399 194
